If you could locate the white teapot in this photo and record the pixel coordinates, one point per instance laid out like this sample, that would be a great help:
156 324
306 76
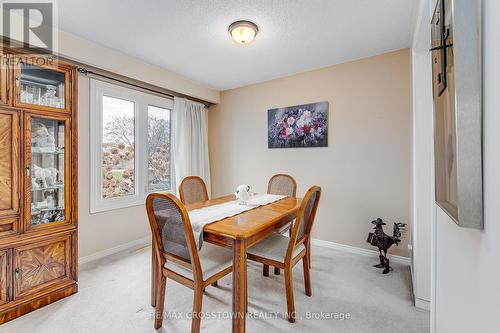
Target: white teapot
242 193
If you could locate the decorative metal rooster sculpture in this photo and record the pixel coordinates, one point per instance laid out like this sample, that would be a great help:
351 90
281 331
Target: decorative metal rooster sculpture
384 242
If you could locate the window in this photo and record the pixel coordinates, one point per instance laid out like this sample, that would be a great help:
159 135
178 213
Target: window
159 176
117 148
130 146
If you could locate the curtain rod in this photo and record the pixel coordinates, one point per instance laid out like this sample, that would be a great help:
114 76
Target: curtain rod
85 71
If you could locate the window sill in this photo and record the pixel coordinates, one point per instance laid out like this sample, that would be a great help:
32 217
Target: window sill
102 206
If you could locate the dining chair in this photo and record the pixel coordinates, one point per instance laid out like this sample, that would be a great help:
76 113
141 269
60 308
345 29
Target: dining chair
280 251
281 184
177 257
192 189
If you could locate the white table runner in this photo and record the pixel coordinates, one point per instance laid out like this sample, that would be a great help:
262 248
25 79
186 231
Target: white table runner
201 217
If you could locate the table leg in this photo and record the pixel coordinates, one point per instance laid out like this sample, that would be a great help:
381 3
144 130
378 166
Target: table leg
239 285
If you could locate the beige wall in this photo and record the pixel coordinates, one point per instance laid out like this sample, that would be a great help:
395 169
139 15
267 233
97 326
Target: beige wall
365 171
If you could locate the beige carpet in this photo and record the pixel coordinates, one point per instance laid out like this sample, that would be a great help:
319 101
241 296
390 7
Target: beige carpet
348 296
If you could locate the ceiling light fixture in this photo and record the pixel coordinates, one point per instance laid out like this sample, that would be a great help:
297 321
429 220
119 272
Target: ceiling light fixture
243 32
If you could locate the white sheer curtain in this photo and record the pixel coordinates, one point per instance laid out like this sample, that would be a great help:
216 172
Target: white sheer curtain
190 140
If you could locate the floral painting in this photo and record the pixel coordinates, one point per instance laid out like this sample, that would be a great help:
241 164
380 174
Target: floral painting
298 126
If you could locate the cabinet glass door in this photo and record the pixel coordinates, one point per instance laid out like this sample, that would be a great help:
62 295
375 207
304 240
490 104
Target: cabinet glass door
46 170
41 87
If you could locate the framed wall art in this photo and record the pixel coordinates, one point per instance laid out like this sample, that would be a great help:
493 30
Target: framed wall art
298 126
456 66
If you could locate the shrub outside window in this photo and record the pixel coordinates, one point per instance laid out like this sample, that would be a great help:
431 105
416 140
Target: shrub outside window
159 161
117 147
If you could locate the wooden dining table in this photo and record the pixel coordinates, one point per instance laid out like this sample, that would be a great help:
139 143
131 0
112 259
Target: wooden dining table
240 232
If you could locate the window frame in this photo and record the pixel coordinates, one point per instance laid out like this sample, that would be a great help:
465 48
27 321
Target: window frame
141 101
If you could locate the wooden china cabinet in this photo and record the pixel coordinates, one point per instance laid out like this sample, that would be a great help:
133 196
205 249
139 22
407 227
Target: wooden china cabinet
38 183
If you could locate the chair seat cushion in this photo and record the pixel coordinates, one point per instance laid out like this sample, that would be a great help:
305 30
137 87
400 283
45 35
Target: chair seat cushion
213 259
274 247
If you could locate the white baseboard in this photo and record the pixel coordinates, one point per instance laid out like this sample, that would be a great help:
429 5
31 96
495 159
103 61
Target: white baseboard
422 304
138 243
358 250
133 245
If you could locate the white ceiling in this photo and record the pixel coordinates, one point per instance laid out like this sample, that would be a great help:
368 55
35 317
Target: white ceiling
190 37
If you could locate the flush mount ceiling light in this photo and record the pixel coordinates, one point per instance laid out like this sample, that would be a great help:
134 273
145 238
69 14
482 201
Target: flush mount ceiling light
243 32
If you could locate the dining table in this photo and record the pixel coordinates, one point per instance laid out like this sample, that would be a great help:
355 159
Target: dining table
240 232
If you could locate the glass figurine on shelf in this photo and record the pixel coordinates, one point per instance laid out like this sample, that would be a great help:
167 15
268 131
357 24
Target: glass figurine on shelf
44 217
46 176
27 95
42 140
49 98
36 183
49 198
58 216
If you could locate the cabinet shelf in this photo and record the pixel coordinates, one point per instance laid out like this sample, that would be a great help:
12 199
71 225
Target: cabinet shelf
39 210
47 152
40 82
55 187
